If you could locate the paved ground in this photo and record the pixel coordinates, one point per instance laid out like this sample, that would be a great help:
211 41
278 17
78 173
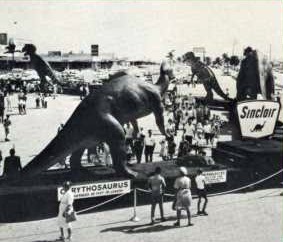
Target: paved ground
254 216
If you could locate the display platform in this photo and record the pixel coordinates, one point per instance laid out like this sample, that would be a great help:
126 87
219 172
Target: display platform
261 156
37 198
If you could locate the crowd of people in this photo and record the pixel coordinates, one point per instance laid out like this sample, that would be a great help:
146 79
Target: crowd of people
190 128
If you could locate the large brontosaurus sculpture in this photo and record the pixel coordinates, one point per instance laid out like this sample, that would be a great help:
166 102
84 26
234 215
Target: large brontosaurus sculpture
205 76
41 66
100 116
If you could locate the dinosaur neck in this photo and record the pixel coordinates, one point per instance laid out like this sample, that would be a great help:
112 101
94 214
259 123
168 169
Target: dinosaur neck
162 83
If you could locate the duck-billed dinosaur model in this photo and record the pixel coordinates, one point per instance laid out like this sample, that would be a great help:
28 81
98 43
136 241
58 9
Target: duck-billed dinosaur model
41 66
205 76
100 118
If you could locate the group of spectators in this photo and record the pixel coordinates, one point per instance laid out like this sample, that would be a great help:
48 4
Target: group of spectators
8 101
139 143
183 197
190 128
157 187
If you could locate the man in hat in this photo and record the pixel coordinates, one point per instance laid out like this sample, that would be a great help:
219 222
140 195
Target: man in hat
183 195
201 192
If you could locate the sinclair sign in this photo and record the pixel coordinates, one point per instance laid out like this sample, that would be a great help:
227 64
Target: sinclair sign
257 119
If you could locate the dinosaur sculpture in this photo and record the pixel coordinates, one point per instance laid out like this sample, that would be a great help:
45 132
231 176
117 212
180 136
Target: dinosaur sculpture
206 76
250 82
41 66
258 127
99 118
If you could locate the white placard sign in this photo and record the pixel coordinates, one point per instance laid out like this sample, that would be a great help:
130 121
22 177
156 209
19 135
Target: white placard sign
212 177
98 189
257 119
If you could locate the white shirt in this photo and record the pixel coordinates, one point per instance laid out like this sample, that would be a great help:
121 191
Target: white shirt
183 182
67 198
149 141
189 130
129 132
200 181
207 128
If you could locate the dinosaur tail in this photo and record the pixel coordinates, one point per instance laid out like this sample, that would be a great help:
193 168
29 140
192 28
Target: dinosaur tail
216 87
56 151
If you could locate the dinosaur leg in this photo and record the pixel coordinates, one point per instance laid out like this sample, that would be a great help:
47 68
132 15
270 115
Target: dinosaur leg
115 138
159 119
75 159
135 126
208 88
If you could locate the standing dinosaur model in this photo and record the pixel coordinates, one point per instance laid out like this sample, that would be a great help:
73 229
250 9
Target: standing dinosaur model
258 127
41 66
205 76
100 118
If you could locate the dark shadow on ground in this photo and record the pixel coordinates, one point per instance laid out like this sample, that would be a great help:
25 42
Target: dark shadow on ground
143 228
147 228
56 240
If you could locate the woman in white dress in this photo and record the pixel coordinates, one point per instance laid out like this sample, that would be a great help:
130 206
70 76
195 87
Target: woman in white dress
183 195
66 206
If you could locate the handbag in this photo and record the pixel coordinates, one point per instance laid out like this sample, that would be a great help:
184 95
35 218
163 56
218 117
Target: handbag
70 217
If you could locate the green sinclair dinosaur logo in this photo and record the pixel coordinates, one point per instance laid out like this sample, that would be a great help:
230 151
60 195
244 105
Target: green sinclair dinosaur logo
257 119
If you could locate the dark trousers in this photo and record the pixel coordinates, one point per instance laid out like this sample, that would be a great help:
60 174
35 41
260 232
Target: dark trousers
189 139
138 149
148 151
130 142
157 199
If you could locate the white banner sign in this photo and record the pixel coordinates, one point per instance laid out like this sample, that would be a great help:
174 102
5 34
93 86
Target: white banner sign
219 176
98 189
257 119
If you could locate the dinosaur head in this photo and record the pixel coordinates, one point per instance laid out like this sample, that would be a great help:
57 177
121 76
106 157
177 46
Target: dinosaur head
189 56
167 69
29 49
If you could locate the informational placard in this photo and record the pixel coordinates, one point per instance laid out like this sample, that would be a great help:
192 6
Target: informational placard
100 189
212 177
257 119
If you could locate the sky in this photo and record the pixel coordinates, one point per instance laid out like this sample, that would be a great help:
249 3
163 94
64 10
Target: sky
146 29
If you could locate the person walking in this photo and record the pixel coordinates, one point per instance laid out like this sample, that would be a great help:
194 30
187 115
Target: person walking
7 123
163 149
157 186
138 145
189 131
8 102
37 101
129 135
207 129
12 165
2 107
65 209
201 192
183 196
171 147
149 146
